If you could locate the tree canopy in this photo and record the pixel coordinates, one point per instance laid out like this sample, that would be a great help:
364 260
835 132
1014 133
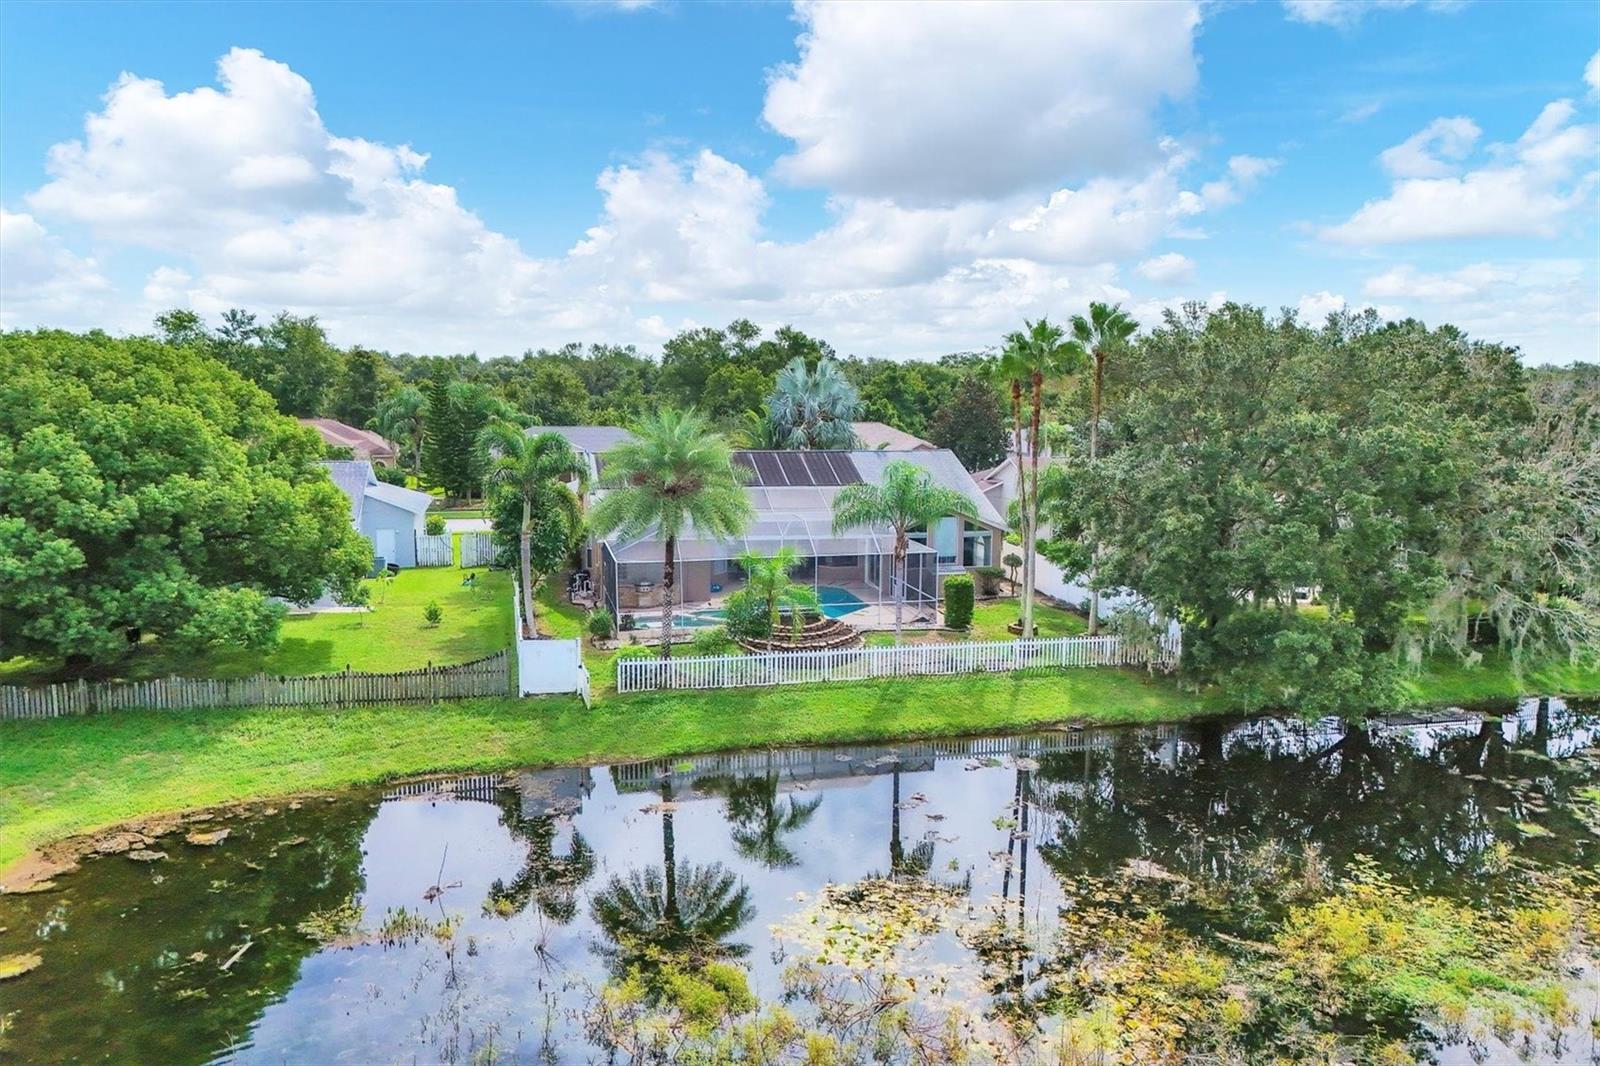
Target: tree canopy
145 488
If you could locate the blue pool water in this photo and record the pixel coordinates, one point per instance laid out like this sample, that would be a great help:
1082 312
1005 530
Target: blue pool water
836 603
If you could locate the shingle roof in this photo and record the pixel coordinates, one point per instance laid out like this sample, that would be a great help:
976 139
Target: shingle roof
944 468
363 442
589 439
352 476
882 435
401 497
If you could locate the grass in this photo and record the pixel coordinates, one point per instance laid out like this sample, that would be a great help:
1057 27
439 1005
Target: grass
989 621
59 777
392 636
1447 680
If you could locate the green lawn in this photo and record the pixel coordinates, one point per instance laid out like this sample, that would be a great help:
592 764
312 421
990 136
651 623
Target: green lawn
64 776
394 635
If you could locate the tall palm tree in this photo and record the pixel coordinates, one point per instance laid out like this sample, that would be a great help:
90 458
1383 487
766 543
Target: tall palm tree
675 476
535 468
768 577
1044 352
906 500
1012 369
399 418
1103 334
814 408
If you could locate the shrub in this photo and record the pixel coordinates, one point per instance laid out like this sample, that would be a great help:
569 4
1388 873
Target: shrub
988 579
601 624
433 525
712 640
433 613
747 617
631 651
390 475
958 601
627 624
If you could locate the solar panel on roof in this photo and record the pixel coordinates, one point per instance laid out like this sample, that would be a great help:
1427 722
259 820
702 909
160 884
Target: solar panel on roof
768 470
844 469
796 468
743 459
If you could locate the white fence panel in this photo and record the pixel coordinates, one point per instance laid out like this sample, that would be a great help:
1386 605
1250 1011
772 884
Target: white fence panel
911 660
434 551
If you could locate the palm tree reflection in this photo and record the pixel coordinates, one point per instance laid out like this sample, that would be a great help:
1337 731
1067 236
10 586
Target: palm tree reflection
758 819
549 881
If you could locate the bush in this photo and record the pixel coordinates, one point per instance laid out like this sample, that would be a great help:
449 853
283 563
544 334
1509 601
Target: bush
627 624
390 475
601 624
1263 660
433 525
1013 563
632 651
747 617
988 579
433 613
712 640
958 601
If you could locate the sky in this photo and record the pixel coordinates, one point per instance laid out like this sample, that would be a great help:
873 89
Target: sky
902 181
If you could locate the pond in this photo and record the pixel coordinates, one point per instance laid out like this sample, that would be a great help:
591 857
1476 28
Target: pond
1232 889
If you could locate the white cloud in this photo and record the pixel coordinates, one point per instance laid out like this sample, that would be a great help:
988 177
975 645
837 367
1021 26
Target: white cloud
1168 269
1591 74
249 200
1244 172
1314 307
1546 306
1525 189
43 281
977 100
1344 14
1433 151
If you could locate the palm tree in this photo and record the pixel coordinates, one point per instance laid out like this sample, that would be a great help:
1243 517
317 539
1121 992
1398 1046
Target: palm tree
1104 333
768 577
814 408
906 500
535 469
674 476
1012 368
399 418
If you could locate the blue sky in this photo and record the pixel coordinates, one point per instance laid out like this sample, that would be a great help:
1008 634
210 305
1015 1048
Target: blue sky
901 180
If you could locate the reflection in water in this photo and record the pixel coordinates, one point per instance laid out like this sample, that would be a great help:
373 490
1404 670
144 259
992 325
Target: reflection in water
1002 854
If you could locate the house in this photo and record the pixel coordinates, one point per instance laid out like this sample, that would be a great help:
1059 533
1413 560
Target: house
363 443
792 494
387 515
882 436
590 442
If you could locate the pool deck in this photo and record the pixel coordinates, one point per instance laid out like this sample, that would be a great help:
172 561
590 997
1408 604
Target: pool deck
869 617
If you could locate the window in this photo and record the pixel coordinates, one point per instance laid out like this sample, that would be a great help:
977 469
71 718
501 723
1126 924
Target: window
944 539
976 547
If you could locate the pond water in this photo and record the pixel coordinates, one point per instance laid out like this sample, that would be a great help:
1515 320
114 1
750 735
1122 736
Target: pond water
479 920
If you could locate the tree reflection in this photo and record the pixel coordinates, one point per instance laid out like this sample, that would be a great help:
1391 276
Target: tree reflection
682 913
758 820
548 881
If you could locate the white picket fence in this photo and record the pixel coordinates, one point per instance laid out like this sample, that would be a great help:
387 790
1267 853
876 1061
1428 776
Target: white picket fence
434 551
861 664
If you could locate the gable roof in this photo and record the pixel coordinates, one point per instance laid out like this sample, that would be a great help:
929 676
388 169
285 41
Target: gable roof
363 442
882 435
591 440
944 469
401 497
352 476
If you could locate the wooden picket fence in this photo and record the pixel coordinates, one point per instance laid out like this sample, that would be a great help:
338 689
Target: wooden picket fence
490 676
434 551
477 549
861 664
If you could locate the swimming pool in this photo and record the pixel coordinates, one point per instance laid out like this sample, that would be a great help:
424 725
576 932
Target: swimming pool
836 603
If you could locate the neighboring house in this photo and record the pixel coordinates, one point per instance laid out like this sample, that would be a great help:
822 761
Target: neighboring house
590 442
363 443
387 515
792 493
882 436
